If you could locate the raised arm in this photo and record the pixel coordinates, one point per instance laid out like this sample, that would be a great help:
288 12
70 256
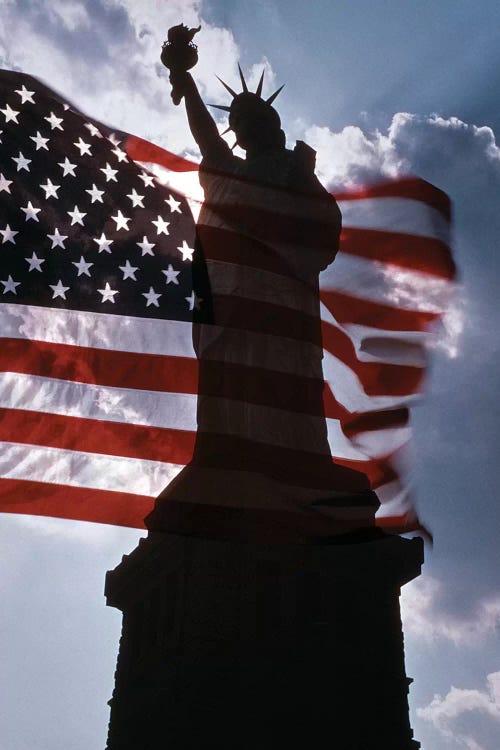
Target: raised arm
200 120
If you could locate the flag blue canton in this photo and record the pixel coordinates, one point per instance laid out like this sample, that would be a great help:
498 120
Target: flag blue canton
82 226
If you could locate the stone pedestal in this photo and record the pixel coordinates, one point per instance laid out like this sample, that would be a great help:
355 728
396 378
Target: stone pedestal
252 647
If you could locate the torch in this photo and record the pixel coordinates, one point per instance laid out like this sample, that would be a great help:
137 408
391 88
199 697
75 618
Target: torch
179 54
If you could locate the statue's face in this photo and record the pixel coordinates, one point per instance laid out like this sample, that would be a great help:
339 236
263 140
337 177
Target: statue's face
255 124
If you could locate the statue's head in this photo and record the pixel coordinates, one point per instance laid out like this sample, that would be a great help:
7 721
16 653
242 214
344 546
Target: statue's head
254 121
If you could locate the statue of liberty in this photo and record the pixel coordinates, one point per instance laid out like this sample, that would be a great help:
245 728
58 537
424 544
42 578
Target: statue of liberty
262 468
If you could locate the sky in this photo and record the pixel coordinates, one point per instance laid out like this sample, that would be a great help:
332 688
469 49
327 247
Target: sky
381 87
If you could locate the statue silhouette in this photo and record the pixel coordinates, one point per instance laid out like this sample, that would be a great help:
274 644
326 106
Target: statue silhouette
262 467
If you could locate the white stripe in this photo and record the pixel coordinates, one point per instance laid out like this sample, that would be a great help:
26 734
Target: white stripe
388 285
151 336
175 411
395 499
79 469
395 215
262 286
393 347
97 330
347 389
390 214
365 445
389 347
151 408
340 445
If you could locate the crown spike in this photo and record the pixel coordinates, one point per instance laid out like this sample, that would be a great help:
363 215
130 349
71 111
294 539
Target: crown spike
220 106
273 96
243 82
234 145
225 131
258 90
233 93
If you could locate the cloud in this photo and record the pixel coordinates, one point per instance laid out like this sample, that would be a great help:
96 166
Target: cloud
424 616
81 532
448 713
441 149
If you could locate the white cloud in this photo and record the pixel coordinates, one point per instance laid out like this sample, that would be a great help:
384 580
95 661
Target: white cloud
81 532
423 617
445 712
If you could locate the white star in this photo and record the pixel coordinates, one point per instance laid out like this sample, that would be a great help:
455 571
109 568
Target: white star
76 216
21 162
82 266
174 205
151 297
193 301
147 179
83 147
109 172
4 184
171 274
113 139
65 107
120 155
121 221
10 285
58 290
10 114
50 189
67 167
128 271
103 243
26 96
146 247
95 194
35 263
187 252
57 239
93 130
40 141
54 122
136 198
8 234
161 225
108 294
31 212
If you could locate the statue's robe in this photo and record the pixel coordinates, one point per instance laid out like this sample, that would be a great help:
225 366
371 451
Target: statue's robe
262 467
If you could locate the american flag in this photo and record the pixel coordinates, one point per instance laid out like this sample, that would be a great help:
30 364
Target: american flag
99 377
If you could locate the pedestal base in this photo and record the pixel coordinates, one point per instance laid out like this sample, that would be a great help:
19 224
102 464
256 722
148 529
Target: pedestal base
252 647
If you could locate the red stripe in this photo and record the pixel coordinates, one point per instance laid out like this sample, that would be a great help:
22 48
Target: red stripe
108 367
257 385
245 314
225 246
407 187
76 503
348 309
423 254
177 446
96 436
140 150
318 234
374 421
286 465
377 379
160 373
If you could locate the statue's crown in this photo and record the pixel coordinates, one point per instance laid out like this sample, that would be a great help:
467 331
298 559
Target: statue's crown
249 103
